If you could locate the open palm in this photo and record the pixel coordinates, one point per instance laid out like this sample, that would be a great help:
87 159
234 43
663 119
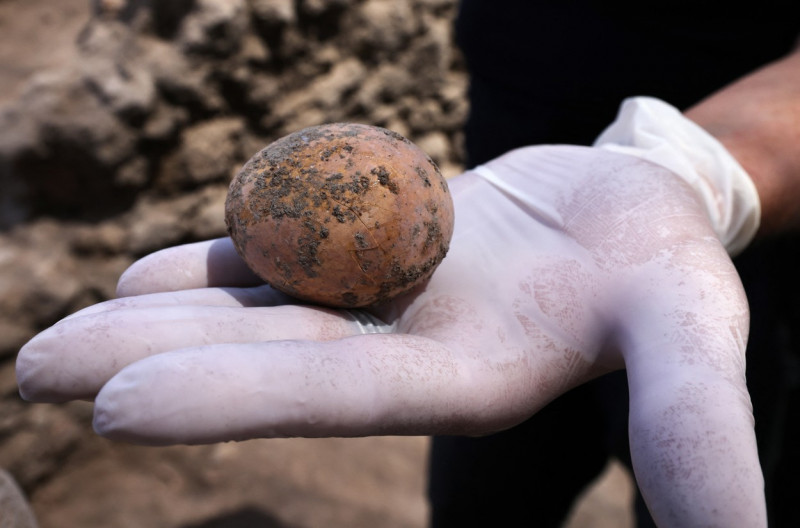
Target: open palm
566 263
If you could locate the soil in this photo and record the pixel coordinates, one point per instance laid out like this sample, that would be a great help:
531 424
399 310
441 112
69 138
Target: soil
107 112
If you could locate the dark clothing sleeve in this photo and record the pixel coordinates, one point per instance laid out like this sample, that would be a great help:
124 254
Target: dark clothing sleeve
556 72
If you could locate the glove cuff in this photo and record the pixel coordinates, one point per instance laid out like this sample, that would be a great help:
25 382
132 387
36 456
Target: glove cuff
653 130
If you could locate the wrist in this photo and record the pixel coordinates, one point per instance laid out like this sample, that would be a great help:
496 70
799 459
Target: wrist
653 130
771 160
758 120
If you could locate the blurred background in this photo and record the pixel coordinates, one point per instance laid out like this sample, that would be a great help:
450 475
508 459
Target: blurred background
121 124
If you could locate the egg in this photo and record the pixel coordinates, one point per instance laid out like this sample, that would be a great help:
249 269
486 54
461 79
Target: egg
343 215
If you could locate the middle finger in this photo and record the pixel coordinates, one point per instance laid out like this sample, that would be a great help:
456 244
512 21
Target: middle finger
74 358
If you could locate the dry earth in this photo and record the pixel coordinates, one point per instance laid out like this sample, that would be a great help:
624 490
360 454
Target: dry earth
115 98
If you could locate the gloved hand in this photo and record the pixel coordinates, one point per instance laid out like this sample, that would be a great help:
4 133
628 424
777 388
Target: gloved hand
566 263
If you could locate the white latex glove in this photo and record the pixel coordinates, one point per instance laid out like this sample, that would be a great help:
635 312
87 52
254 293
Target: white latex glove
653 130
566 263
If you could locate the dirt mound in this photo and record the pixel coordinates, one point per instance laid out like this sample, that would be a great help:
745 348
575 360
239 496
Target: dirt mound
123 142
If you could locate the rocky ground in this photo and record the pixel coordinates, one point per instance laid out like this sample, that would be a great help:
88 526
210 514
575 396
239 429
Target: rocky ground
121 123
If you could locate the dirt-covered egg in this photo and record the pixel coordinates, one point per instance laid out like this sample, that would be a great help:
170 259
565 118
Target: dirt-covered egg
345 215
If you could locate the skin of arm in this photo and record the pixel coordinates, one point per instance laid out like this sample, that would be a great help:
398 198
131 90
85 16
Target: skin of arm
757 118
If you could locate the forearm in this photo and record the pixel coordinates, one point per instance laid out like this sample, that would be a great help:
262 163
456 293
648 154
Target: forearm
758 120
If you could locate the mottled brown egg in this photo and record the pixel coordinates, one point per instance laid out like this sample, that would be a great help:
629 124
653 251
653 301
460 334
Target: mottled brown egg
343 214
